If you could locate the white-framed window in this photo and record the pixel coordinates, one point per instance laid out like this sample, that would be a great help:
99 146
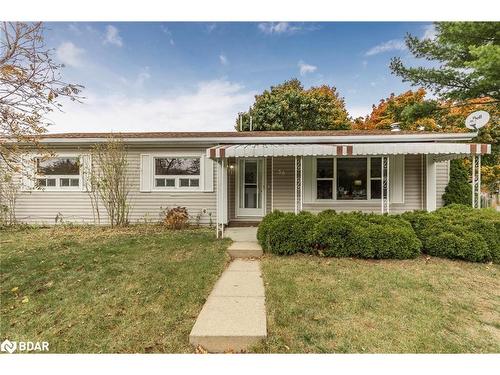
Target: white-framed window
325 181
348 178
375 178
58 173
177 172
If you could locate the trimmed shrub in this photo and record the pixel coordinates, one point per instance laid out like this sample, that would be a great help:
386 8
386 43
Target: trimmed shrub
460 225
291 234
468 246
394 242
329 235
263 229
420 220
327 213
358 243
455 232
365 236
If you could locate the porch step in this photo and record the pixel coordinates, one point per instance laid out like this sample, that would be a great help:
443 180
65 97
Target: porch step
245 250
248 234
243 224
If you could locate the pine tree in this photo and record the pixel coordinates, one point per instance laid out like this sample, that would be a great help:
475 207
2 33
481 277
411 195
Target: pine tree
459 189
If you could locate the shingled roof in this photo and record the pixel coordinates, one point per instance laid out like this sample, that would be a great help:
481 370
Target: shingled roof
233 134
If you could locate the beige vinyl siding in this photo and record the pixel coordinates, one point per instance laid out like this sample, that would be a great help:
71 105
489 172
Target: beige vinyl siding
42 207
74 206
442 178
413 192
284 184
284 179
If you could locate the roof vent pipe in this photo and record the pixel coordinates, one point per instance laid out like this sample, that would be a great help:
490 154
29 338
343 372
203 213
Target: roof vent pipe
395 127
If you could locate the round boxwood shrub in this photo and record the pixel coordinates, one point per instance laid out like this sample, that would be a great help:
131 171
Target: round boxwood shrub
457 221
420 220
365 236
358 243
327 213
329 235
291 234
467 246
394 242
263 229
487 230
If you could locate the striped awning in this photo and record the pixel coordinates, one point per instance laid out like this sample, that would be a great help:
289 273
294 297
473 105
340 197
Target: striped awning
265 150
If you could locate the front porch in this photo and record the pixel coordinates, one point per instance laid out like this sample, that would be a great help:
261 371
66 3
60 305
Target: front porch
253 180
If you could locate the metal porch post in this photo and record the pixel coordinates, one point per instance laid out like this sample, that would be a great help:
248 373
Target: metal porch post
217 199
476 181
298 184
222 203
301 162
295 190
385 207
272 183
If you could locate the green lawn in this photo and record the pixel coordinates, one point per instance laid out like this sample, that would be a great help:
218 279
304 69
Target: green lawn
87 289
321 305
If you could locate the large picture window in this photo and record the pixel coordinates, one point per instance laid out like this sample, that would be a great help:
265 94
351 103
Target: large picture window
177 173
351 178
348 178
58 172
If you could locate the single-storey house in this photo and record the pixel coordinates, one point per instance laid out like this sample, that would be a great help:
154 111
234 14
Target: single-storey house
226 178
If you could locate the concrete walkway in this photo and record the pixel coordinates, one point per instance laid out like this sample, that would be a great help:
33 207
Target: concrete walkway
234 316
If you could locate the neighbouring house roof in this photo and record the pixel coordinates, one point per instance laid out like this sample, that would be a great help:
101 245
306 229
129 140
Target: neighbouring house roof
451 150
233 137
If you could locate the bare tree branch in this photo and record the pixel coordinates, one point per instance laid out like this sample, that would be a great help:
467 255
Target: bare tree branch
30 86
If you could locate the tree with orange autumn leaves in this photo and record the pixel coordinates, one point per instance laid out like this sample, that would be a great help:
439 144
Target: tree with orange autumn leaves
414 112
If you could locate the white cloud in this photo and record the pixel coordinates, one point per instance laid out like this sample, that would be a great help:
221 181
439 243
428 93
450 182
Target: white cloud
69 54
211 27
430 32
278 28
391 45
223 59
358 111
142 77
74 29
112 36
306 68
168 33
211 106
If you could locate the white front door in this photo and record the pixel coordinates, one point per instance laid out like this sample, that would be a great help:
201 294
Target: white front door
250 197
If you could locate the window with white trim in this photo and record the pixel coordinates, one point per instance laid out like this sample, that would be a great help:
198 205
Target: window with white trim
177 172
58 173
376 178
325 182
350 178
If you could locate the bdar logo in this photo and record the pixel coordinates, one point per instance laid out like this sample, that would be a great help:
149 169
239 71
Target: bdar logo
8 346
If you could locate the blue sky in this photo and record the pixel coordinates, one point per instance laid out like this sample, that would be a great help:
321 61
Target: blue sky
179 76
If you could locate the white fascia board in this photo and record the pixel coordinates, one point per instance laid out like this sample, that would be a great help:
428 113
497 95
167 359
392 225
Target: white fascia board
438 137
